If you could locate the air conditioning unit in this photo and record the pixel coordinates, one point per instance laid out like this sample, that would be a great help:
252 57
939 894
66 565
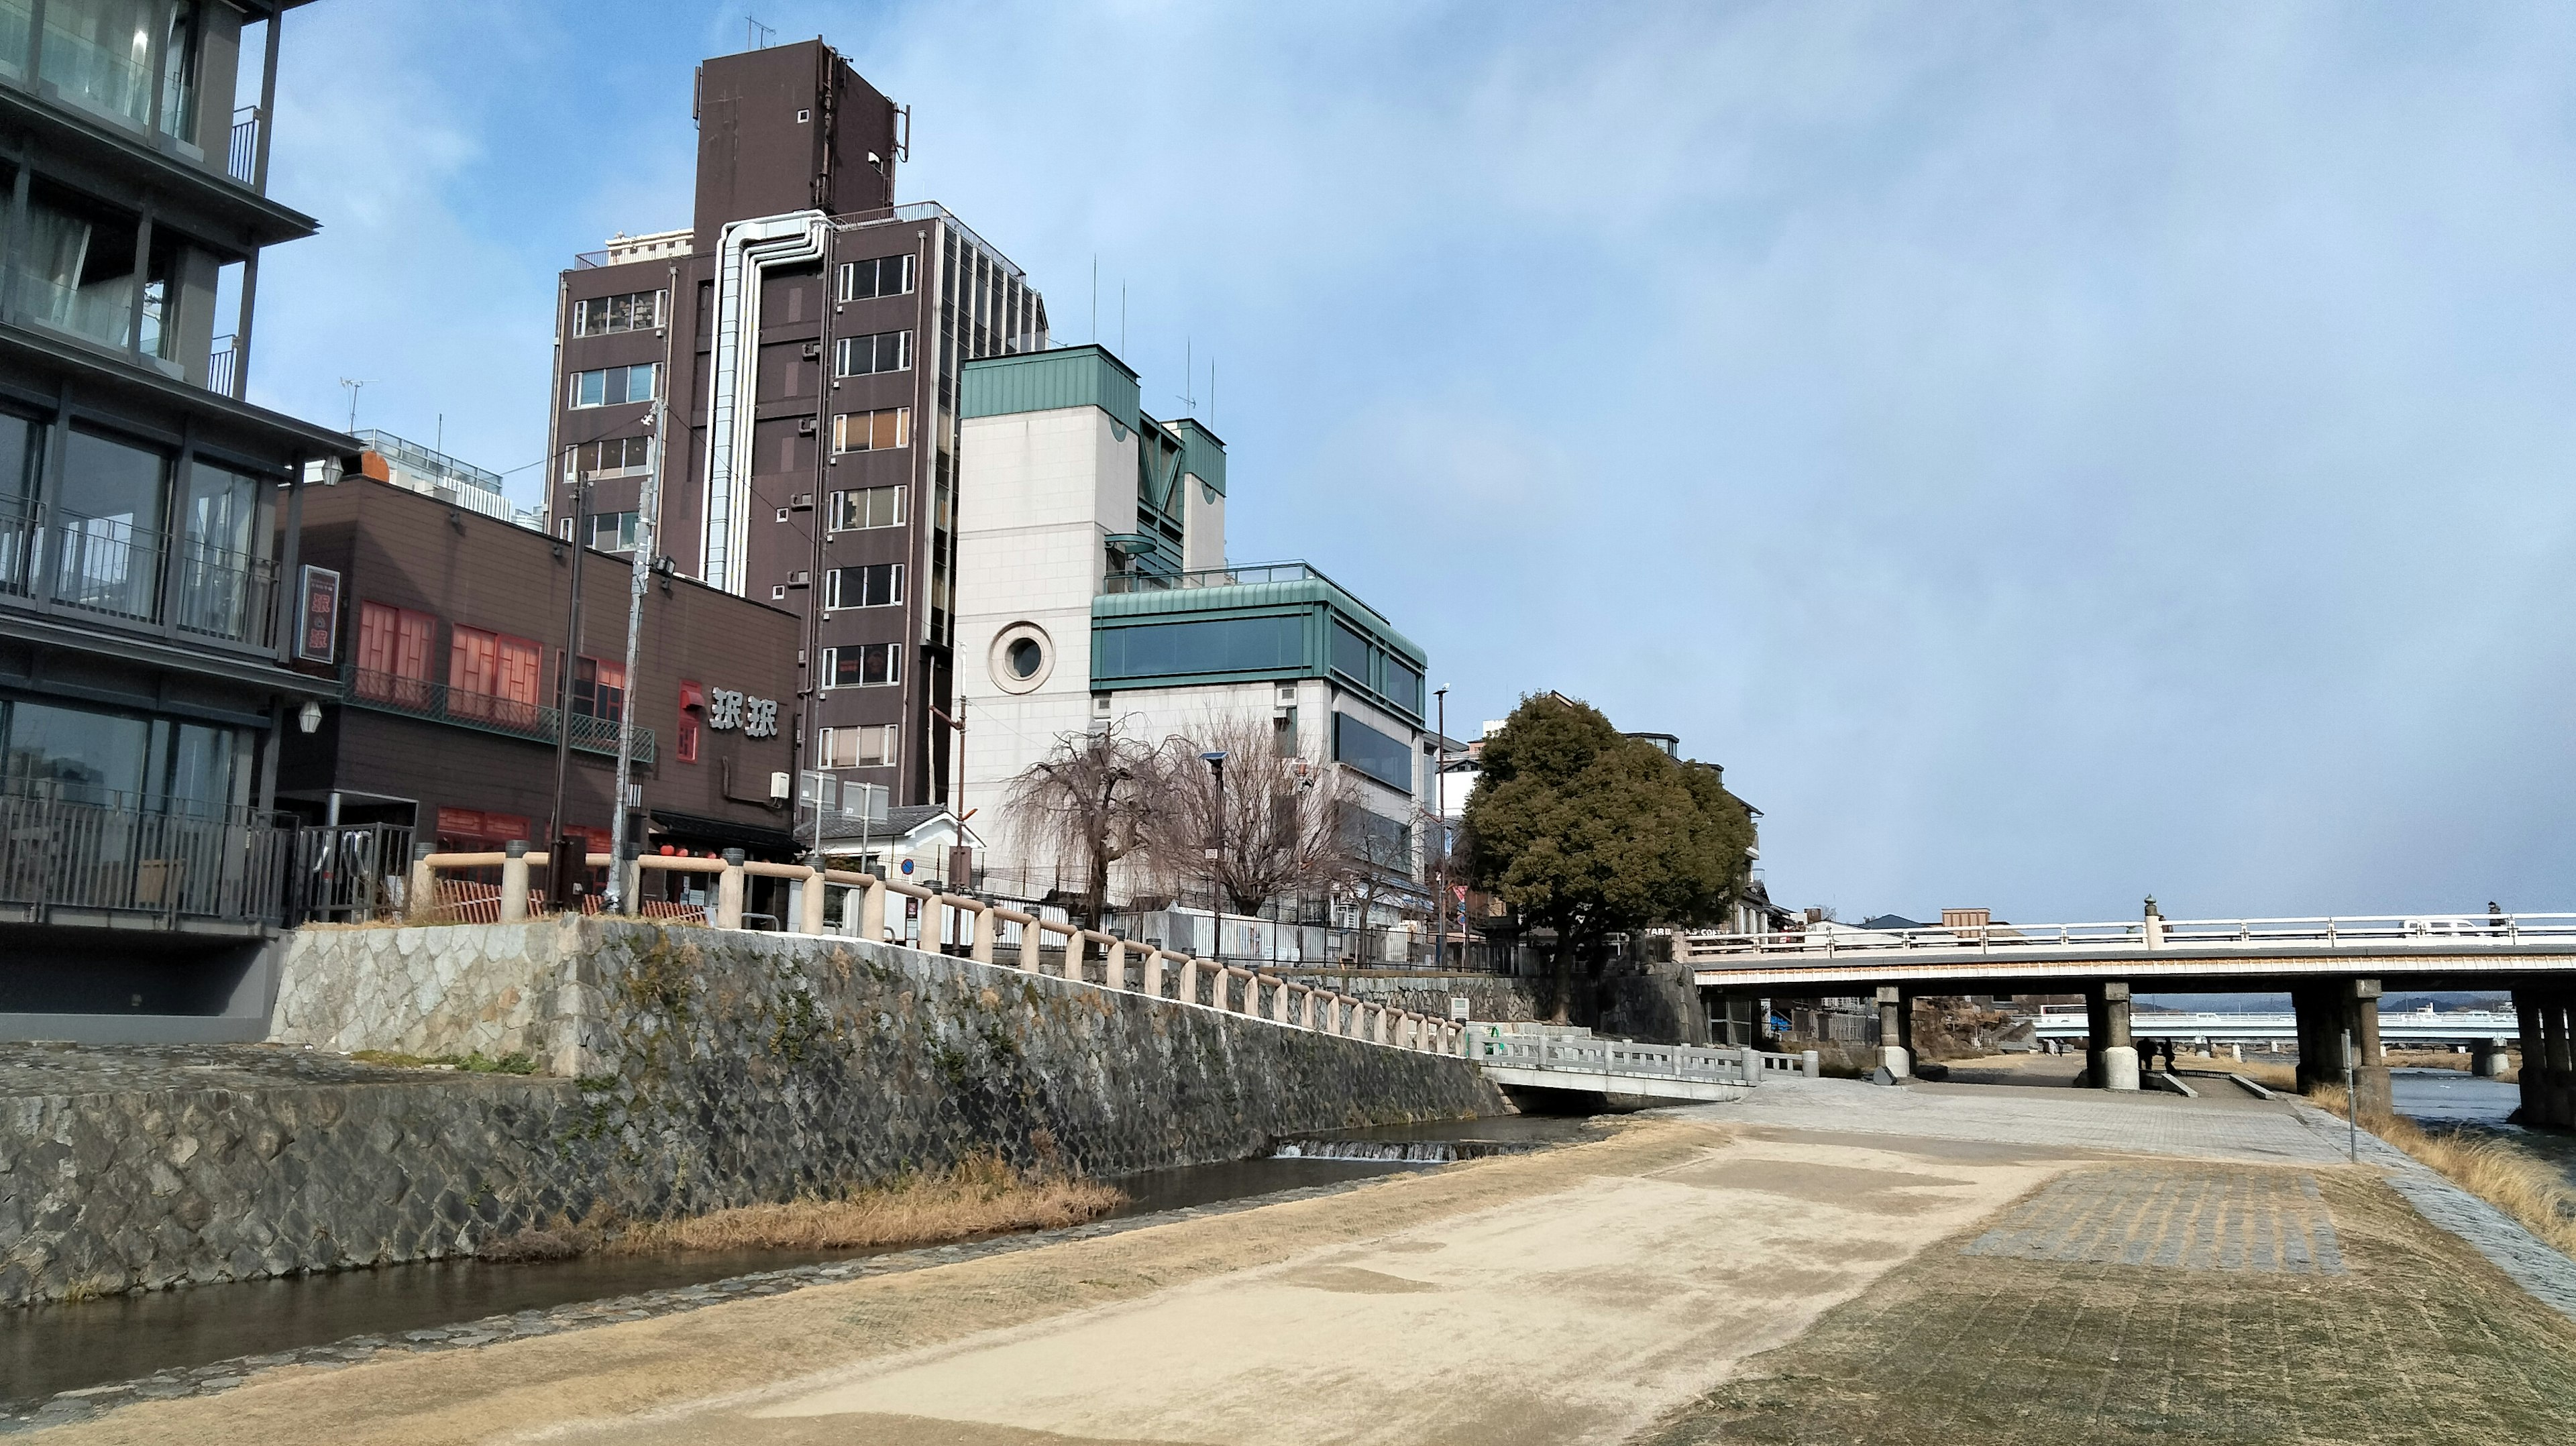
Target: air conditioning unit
801 502
804 426
813 349
800 578
778 788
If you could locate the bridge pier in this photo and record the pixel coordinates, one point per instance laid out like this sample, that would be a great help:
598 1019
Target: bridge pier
2548 1070
1895 1032
2370 1071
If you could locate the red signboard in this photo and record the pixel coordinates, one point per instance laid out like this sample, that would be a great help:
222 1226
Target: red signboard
467 825
318 640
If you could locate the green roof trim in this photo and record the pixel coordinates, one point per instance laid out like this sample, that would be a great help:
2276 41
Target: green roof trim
1289 589
1046 381
1202 452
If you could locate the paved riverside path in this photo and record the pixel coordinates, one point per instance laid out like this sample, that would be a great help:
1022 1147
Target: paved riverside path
1589 1293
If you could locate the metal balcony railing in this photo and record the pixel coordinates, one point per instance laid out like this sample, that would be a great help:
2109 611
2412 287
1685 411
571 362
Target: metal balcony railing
438 702
220 363
241 157
111 569
109 852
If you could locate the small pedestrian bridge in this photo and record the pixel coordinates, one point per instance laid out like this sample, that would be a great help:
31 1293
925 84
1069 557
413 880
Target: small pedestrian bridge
1629 1074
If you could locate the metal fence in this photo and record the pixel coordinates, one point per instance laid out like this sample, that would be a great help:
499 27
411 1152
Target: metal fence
62 854
348 873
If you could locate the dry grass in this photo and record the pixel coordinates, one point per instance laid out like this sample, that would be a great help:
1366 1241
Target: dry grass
2494 1169
980 1195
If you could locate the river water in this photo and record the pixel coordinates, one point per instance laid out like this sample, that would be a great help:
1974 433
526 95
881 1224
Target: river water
50 1348
2449 1099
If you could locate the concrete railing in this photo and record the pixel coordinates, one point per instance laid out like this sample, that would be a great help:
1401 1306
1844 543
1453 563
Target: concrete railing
1086 956
1698 1063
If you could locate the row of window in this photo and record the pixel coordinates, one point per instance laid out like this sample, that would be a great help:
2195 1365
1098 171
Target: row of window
884 351
870 746
491 675
616 386
613 457
603 315
860 507
875 431
870 585
866 665
884 276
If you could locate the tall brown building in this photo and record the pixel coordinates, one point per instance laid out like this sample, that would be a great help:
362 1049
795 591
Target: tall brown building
807 332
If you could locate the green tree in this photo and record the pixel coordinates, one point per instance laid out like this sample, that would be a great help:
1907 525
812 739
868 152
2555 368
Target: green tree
1589 832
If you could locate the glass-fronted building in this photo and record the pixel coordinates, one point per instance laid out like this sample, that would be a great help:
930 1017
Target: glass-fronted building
149 589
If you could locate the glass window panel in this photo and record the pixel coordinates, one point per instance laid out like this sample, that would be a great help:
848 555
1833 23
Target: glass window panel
1388 760
1403 684
1350 655
22 448
75 754
108 479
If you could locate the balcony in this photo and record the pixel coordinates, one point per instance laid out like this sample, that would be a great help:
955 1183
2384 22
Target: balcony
439 703
135 577
108 855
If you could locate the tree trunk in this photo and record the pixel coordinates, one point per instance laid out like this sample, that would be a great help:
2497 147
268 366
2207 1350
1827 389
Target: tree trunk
1563 966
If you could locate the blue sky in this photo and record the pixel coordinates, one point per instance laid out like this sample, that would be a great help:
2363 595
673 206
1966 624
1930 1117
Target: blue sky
2048 454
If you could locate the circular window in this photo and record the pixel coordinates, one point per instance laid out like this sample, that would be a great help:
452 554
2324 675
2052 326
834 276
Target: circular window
1022 658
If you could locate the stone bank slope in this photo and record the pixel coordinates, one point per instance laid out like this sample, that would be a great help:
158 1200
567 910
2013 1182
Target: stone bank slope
696 1069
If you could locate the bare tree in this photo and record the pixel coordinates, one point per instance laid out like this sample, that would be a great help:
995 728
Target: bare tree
1277 831
1083 808
1378 859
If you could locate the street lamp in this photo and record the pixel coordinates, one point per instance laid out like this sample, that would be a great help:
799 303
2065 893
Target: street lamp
1215 759
1440 811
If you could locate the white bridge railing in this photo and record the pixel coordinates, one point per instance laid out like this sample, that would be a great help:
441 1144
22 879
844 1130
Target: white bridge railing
1699 1064
2423 931
999 935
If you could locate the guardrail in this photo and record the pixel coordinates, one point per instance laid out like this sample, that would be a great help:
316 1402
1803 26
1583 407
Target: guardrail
1701 1064
2428 931
59 854
1120 965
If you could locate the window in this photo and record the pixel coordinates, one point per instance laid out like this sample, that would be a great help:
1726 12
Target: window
886 351
96 52
867 507
393 654
1229 645
635 311
866 665
616 531
693 706
598 689
1388 760
878 584
872 431
614 457
872 746
616 386
885 276
1403 684
493 676
1350 655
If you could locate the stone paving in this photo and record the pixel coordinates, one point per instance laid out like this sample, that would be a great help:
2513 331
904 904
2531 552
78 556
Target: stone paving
2176 1219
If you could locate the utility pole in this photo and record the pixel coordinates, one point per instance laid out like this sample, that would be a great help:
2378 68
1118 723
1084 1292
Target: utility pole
558 886
1440 808
648 538
1215 759
957 786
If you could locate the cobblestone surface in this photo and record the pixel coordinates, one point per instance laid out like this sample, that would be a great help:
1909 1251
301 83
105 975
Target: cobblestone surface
2176 1219
2548 1275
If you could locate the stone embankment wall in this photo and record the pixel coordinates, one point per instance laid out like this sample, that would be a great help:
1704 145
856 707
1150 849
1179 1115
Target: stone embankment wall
696 1069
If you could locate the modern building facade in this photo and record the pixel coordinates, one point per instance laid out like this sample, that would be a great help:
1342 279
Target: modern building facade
453 627
1093 589
151 596
806 333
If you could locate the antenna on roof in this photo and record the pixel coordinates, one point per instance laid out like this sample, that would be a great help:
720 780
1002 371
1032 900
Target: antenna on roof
756 35
1095 298
352 385
1211 389
1189 370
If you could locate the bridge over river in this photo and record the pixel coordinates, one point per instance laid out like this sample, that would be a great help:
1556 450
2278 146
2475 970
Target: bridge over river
2334 969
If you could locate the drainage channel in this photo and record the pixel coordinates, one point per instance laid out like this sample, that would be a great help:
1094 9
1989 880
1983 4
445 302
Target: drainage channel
173 1336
